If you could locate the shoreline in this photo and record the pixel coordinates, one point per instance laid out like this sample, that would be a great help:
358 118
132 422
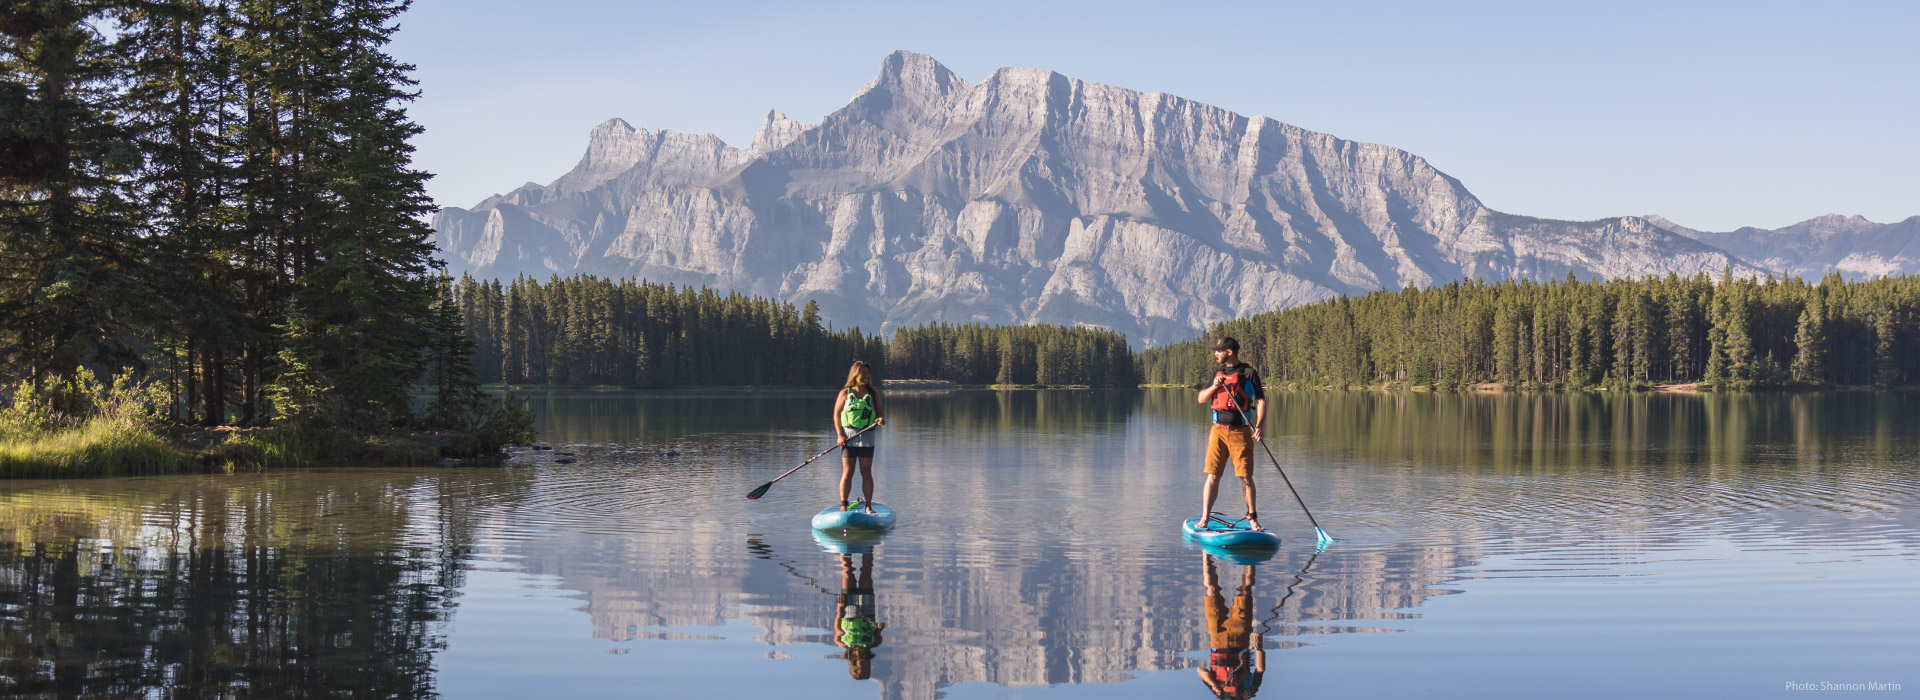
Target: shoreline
98 451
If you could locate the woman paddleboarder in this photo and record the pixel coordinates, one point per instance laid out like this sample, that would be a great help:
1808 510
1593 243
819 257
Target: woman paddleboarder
856 408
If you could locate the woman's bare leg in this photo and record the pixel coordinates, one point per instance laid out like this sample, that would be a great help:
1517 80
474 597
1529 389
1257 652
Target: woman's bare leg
846 477
866 481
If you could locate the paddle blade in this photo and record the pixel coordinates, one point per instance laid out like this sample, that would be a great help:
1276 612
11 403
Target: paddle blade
762 491
1322 535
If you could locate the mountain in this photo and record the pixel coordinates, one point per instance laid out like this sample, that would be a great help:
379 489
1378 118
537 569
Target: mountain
1032 197
1850 245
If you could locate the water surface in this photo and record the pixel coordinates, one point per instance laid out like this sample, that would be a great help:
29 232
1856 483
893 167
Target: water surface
1566 545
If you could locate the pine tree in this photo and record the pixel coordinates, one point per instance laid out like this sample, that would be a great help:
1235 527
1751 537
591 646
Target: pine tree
449 358
73 286
1810 339
1886 369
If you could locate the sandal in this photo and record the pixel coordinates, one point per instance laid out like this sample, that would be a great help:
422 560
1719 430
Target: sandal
1253 516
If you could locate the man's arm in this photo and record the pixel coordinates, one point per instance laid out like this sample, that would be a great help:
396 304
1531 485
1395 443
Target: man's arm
1259 405
1206 395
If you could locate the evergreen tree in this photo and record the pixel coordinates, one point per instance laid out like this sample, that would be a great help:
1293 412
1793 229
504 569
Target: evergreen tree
1809 361
72 264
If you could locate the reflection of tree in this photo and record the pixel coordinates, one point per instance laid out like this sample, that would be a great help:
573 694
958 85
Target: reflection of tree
284 587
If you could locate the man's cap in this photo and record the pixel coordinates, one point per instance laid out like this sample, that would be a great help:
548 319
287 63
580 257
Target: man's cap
1227 343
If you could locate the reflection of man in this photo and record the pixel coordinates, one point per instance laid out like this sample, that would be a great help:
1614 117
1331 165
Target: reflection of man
1236 661
854 624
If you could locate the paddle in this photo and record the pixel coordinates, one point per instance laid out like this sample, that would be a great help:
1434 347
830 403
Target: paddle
1322 535
762 491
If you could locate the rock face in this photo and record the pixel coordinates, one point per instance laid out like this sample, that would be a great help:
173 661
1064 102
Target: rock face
1850 245
1032 197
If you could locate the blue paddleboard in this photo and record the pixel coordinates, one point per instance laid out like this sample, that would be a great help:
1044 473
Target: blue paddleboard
1230 536
857 519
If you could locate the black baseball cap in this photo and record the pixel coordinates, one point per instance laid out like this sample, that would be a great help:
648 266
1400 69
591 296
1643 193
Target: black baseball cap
1227 343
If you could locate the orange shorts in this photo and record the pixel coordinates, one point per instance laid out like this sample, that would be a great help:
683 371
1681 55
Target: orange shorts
1230 629
1234 440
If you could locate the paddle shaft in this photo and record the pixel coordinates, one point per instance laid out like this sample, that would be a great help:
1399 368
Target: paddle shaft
823 453
1275 460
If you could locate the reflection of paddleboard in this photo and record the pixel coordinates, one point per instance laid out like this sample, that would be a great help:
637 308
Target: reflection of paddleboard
857 519
1239 555
1233 535
849 541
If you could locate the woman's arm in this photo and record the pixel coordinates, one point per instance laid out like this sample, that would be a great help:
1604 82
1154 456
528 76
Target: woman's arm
839 402
879 413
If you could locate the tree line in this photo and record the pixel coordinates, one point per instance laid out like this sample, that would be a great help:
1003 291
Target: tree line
1570 334
587 330
1034 355
218 196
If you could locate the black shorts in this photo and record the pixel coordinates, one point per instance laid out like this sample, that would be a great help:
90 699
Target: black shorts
857 451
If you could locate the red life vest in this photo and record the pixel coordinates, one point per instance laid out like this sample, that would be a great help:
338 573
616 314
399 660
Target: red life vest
1232 395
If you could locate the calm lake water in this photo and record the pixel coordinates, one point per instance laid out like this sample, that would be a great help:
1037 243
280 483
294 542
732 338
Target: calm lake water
1489 546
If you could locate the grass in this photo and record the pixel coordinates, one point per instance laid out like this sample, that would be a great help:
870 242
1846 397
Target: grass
273 448
106 448
96 448
74 427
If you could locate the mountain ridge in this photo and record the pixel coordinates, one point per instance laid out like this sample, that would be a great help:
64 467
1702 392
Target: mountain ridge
1032 196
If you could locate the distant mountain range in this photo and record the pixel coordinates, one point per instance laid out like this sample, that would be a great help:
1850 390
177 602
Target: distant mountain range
1032 197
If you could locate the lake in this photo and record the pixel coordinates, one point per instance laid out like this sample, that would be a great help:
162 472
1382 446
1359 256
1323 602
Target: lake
1518 545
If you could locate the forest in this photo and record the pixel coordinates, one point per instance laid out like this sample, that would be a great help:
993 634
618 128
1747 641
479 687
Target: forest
1037 355
586 330
1625 333
208 209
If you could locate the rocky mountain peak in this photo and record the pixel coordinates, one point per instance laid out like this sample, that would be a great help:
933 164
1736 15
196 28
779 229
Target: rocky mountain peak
776 132
911 77
1668 224
1832 224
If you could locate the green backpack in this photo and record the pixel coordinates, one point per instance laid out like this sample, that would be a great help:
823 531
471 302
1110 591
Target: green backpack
857 413
857 632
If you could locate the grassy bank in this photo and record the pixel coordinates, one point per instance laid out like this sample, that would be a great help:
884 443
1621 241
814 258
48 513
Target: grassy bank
97 448
79 427
103 448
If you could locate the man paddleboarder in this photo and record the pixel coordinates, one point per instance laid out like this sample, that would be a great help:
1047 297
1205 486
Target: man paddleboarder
1234 393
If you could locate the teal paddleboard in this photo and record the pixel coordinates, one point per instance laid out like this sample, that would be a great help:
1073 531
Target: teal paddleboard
834 518
1234 535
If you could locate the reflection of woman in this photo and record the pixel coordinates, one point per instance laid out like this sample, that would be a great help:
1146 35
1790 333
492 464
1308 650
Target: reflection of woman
854 626
1236 661
857 407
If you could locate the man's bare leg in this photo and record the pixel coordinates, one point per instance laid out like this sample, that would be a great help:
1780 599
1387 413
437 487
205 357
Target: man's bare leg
1208 492
1249 493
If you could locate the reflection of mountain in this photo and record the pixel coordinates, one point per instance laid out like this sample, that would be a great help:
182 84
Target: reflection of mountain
979 600
970 595
233 586
957 616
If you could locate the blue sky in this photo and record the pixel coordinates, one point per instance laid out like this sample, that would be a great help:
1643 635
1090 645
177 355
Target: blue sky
1715 115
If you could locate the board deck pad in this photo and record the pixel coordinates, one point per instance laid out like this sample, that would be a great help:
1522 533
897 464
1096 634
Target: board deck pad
1234 536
